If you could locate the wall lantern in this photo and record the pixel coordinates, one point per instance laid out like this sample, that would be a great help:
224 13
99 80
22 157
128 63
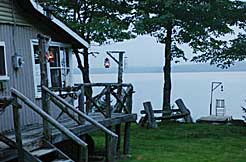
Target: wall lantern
51 57
106 63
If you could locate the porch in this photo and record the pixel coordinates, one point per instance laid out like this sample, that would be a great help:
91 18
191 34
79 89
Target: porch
34 142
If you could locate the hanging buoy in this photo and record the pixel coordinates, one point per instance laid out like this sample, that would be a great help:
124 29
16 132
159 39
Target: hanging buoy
106 63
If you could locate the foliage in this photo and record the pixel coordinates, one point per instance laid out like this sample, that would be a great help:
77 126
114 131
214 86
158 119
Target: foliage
96 20
200 24
226 56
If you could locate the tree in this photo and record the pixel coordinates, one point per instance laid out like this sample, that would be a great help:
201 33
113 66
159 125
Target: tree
97 21
198 23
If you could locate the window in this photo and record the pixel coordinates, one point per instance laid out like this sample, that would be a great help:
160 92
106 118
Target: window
3 64
59 71
59 67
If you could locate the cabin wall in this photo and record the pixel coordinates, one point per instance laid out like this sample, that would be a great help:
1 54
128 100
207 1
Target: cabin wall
21 79
10 14
17 31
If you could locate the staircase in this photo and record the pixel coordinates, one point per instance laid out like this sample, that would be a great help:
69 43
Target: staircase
43 150
49 153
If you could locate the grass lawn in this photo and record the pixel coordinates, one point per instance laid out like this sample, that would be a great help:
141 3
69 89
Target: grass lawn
174 142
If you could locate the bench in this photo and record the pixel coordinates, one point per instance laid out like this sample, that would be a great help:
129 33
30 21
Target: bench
150 114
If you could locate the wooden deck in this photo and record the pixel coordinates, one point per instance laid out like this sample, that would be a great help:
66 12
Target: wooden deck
33 134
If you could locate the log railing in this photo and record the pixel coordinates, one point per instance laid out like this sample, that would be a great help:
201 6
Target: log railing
107 98
111 98
83 150
66 107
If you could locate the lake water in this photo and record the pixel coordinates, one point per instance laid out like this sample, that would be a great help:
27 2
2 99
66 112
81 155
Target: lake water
193 88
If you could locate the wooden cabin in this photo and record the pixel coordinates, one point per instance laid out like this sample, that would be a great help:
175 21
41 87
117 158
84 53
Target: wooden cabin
24 119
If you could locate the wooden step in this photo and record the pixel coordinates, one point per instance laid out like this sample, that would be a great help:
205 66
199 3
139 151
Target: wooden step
62 160
8 155
42 151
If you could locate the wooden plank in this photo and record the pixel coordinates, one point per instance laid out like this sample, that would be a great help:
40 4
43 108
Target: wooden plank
214 119
150 114
160 111
175 116
107 84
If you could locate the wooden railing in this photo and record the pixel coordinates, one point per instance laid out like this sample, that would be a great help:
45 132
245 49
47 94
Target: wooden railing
109 98
83 156
111 137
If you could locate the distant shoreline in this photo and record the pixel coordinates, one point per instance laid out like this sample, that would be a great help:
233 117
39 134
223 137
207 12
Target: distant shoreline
190 68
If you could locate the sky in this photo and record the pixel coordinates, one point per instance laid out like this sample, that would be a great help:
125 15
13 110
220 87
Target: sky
141 51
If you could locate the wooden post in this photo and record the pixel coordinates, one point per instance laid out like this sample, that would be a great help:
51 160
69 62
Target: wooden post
43 42
81 103
17 126
118 132
150 114
184 110
83 154
126 147
110 142
110 148
120 78
120 68
108 102
129 100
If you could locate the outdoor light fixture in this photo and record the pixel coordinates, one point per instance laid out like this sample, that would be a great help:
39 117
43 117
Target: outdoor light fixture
106 63
214 86
50 57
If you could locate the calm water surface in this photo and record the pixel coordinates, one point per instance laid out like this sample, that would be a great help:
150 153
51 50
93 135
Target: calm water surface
193 88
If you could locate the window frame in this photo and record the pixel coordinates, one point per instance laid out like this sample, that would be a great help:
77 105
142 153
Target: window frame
4 77
34 42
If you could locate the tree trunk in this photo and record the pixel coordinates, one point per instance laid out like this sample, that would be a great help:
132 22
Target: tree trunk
86 79
85 75
167 71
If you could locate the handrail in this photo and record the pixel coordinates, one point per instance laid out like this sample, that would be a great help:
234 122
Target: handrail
106 84
77 87
44 115
92 121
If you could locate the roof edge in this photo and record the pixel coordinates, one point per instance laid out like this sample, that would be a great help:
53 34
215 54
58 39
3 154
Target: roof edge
59 23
